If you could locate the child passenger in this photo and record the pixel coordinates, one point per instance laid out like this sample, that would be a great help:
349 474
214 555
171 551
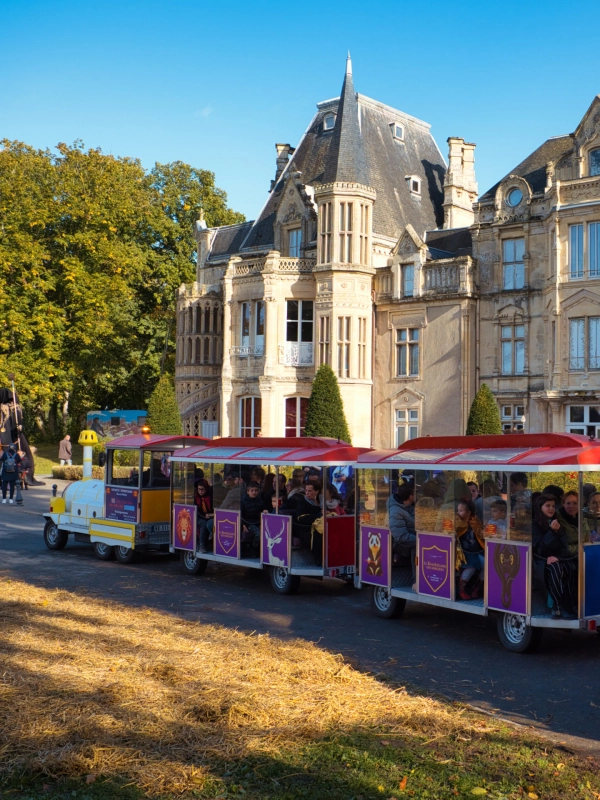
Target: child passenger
498 519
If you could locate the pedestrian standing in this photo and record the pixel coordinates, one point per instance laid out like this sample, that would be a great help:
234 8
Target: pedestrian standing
9 461
65 451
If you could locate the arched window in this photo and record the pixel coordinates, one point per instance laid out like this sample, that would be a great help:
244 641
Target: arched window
198 319
595 162
250 416
206 350
295 415
198 358
190 319
189 352
207 319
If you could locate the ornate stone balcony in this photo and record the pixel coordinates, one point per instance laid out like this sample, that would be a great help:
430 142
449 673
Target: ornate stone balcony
297 354
296 264
444 277
251 350
249 267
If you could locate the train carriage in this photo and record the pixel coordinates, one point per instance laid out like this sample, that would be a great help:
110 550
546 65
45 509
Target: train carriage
502 476
291 539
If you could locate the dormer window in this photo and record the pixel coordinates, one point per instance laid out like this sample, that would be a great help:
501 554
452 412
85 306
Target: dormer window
414 184
397 131
329 122
595 162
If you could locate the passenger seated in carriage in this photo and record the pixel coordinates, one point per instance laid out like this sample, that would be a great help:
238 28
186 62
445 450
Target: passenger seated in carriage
252 506
552 558
470 550
401 510
308 509
206 514
592 516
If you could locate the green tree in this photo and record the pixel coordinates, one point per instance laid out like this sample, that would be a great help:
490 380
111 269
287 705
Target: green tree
484 416
163 412
92 251
325 414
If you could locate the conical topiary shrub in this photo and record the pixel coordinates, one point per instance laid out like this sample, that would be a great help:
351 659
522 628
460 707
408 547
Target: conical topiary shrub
325 414
484 416
163 412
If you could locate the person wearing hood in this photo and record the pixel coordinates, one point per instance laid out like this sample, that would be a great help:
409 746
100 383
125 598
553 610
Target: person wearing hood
401 510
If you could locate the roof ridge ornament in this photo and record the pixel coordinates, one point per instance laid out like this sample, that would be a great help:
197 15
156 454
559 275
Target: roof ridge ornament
348 64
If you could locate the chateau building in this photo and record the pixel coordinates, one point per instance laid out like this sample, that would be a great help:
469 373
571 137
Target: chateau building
374 256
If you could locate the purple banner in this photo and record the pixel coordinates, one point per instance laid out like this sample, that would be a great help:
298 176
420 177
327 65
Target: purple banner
436 567
227 533
276 532
375 555
507 572
183 532
121 503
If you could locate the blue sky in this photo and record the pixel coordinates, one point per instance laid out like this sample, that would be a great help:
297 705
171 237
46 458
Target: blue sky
217 84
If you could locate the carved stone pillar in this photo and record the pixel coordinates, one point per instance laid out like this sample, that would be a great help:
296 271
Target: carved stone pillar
556 409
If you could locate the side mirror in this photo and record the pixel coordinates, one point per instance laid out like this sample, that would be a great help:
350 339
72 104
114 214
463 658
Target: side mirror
101 459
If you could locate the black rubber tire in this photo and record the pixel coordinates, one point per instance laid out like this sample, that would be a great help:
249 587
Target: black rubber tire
283 582
384 605
54 538
124 555
105 552
515 635
191 564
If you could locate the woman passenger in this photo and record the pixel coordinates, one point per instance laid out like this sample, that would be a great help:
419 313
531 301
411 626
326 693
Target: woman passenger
469 533
592 516
333 501
204 504
568 516
550 545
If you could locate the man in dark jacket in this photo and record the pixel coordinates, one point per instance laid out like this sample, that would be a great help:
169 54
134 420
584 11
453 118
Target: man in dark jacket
252 506
65 451
401 509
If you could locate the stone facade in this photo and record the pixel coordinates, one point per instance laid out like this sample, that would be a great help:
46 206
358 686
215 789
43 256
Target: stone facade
373 257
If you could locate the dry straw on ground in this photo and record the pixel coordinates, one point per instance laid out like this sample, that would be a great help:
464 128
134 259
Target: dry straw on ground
88 686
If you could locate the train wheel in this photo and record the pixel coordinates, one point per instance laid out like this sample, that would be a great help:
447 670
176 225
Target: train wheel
516 635
384 604
53 538
283 582
105 552
191 564
125 555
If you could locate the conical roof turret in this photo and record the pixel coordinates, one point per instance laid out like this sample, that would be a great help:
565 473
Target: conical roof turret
346 161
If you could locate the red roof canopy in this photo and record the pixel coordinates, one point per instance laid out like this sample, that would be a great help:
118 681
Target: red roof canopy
150 441
275 450
534 452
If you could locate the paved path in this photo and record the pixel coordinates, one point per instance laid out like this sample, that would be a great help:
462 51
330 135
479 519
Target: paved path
556 691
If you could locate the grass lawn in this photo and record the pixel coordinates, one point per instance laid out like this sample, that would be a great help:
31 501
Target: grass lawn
46 457
101 701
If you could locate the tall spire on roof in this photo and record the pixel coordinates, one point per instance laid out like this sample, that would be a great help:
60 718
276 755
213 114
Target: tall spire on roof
346 161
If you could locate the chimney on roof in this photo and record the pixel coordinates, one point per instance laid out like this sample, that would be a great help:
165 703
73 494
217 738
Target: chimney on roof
460 186
284 151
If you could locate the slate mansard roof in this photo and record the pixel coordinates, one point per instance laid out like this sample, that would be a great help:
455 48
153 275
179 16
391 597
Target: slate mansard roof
361 148
533 168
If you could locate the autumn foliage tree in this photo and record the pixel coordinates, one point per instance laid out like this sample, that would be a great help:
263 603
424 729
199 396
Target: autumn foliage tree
92 250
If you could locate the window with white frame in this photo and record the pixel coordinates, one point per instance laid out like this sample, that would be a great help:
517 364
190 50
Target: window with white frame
407 352
295 415
362 347
576 251
594 249
406 424
325 233
584 420
512 417
414 184
407 276
584 331
397 131
294 242
364 234
259 329
250 416
513 349
329 122
299 321
346 232
344 329
324 339
595 162
513 251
